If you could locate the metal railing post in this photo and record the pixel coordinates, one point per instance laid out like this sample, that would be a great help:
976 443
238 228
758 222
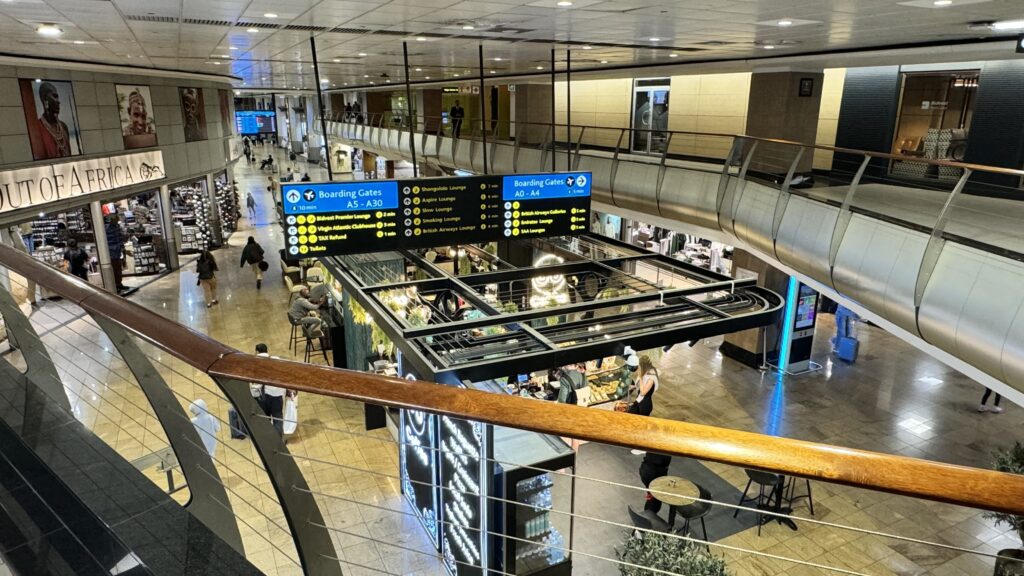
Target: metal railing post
935 243
844 216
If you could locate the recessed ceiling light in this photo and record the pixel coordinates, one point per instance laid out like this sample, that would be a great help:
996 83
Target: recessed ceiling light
427 77
492 72
419 69
344 83
468 27
540 67
456 75
216 62
655 39
942 3
564 3
497 58
388 81
324 80
39 80
366 75
49 30
586 47
769 46
673 55
79 41
372 82
421 39
1008 25
336 60
270 15
604 61
253 30
790 22
333 84
232 47
362 53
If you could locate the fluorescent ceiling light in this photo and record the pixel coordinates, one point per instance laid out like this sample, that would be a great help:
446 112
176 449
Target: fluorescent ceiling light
421 39
586 47
49 30
253 30
270 15
362 53
492 71
540 67
427 77
604 61
232 47
564 3
942 3
419 69
790 22
497 58
468 27
769 46
79 41
1008 25
336 60
366 75
655 39
673 55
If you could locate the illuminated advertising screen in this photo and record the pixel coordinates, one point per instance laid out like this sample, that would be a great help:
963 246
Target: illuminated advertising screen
463 455
418 465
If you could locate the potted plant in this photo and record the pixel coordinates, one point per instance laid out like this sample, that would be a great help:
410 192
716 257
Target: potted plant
667 552
1012 561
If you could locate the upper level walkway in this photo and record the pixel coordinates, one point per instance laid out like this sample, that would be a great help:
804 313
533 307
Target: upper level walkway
932 250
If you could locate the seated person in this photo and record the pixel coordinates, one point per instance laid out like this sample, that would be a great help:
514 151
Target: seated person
300 309
269 161
305 177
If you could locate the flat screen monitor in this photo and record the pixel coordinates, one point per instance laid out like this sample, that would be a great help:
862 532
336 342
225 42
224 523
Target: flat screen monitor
256 121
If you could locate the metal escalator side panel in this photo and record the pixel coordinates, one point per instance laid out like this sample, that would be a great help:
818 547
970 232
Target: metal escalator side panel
600 168
755 216
501 158
636 186
972 308
877 266
690 196
805 236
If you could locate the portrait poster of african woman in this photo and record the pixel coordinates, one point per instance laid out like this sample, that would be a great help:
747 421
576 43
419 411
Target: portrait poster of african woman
193 113
51 117
135 108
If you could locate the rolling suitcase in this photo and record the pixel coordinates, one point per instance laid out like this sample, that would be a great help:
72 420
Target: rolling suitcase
238 431
847 349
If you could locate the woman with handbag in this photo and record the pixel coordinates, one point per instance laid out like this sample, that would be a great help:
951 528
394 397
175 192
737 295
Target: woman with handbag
648 386
252 255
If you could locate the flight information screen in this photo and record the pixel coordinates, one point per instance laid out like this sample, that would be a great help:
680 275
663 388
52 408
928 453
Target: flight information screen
324 219
255 121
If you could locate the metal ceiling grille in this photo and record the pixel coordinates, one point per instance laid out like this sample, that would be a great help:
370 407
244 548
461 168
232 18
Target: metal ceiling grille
151 18
501 318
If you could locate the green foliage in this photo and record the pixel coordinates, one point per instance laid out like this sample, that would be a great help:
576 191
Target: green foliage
669 553
1012 462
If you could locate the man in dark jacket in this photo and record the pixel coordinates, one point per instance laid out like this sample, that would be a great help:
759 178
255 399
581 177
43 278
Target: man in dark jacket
252 255
115 245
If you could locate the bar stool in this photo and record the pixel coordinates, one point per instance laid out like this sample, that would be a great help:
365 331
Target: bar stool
764 498
790 498
696 511
296 336
312 349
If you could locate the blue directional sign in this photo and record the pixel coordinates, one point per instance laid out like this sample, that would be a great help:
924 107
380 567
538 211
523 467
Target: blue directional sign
305 198
546 186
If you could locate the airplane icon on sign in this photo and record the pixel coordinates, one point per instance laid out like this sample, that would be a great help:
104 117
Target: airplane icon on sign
309 195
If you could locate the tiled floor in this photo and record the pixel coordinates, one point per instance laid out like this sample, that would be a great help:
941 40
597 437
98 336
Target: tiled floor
893 400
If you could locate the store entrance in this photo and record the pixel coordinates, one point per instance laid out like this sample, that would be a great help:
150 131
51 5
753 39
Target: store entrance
145 250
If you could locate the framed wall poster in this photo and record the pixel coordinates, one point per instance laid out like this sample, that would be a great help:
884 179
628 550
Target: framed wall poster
225 112
806 87
135 107
193 113
51 117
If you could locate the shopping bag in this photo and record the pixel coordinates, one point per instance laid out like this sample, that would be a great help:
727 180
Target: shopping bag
291 415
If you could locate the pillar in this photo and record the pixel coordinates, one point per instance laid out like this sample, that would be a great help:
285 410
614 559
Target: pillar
532 104
747 346
784 105
167 225
102 249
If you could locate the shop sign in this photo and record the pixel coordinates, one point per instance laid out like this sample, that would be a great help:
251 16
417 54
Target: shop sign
44 184
450 90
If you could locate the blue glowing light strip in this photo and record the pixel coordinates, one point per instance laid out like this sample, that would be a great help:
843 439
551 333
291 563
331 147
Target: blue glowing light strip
787 323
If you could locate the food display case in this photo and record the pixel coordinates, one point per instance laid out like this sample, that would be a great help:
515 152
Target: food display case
606 384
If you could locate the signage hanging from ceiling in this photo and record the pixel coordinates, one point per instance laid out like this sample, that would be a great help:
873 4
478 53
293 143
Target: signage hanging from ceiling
334 218
38 186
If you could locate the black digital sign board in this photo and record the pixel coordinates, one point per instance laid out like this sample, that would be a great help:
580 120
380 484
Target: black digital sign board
418 465
325 219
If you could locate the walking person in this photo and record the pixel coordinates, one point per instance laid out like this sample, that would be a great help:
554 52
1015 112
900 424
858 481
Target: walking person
76 260
206 425
273 397
250 201
252 255
995 405
457 113
206 267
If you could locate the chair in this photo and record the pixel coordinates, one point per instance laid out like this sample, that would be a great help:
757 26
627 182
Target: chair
763 498
312 349
314 275
696 511
293 288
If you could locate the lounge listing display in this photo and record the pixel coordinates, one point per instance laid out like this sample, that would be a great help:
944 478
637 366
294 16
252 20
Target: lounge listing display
332 218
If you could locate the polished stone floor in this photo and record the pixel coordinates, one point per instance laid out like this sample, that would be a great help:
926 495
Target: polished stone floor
894 400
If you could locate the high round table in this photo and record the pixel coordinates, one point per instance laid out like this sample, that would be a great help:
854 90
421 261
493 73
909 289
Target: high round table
674 491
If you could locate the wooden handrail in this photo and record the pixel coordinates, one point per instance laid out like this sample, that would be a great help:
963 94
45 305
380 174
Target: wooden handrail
886 155
974 487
